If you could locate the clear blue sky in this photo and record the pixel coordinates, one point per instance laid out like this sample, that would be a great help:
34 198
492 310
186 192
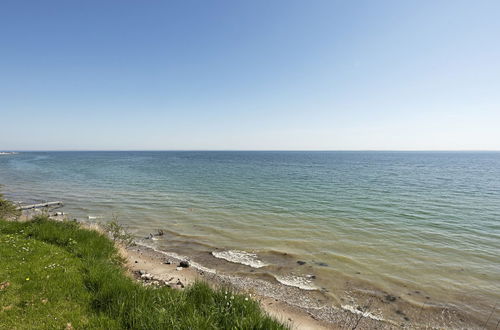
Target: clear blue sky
249 75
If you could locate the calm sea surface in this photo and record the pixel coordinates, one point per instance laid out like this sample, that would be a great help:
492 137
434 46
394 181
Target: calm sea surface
393 221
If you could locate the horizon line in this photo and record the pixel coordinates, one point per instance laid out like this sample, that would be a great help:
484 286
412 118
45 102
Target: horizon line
251 150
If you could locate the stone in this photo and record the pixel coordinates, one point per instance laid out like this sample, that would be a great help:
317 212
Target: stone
184 264
300 262
147 277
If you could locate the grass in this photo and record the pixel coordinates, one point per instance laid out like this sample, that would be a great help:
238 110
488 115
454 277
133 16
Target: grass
57 275
8 210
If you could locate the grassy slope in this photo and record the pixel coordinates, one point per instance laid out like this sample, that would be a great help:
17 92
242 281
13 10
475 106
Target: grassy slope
60 273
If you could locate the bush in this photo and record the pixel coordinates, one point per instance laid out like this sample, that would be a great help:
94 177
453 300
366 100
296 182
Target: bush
118 232
8 209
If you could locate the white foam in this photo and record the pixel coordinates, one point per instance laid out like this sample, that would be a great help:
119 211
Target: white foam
240 257
367 314
179 257
296 281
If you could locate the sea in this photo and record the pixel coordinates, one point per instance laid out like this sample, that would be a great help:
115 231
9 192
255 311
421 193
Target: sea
421 226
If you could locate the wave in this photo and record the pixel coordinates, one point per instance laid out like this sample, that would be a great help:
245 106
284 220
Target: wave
354 310
179 257
240 257
300 282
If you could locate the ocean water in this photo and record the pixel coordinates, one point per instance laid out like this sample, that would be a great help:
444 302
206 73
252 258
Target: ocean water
426 223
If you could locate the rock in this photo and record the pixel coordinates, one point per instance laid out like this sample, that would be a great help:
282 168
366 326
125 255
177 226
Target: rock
184 264
322 264
390 298
180 284
179 268
147 277
311 277
167 262
142 272
300 262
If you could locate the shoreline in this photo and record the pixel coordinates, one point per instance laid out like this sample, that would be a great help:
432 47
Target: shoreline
161 266
300 308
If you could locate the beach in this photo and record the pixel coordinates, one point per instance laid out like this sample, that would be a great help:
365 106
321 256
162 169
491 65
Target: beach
302 309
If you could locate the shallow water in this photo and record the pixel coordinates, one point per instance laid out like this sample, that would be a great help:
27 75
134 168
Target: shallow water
397 222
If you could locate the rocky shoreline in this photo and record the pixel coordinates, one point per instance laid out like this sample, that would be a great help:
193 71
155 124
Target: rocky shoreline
359 305
285 303
301 309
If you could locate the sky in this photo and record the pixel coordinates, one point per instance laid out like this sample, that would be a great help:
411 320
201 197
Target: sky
249 75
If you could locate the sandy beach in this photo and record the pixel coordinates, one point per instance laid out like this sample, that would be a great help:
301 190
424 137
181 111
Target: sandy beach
302 309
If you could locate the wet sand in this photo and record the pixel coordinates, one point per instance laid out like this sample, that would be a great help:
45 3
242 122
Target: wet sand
303 309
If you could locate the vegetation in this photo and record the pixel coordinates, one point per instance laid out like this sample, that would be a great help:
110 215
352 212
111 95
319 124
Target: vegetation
57 275
8 210
118 232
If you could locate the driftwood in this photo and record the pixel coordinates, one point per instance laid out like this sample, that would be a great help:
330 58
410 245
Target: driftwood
40 205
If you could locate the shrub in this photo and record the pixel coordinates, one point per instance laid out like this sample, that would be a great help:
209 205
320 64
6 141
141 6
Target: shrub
118 232
8 209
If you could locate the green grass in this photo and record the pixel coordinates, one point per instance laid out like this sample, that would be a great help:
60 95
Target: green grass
60 273
8 210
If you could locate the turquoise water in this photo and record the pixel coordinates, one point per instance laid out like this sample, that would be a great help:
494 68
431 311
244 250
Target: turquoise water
389 221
